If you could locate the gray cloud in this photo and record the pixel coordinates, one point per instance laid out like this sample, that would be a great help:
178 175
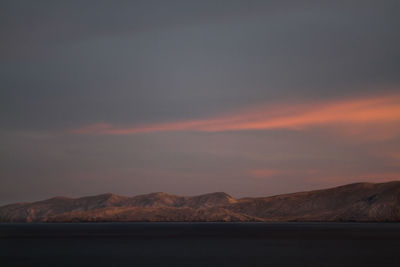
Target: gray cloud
145 61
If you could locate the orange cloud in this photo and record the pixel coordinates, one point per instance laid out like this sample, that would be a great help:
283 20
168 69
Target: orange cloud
350 116
272 173
265 173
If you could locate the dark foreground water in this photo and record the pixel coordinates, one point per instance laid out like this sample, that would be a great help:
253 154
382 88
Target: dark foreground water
200 244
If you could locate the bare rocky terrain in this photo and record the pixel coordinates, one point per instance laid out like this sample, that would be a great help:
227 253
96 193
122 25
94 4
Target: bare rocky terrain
364 202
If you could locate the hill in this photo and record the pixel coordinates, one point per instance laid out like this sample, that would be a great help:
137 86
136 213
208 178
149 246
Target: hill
354 202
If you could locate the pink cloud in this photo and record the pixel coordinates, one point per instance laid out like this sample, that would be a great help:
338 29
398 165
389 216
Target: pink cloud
374 117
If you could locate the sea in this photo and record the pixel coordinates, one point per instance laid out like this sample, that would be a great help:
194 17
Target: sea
200 244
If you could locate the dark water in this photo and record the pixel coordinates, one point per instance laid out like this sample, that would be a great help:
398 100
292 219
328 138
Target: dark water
200 244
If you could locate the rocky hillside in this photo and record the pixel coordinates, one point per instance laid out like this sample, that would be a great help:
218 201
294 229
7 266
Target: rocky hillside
354 202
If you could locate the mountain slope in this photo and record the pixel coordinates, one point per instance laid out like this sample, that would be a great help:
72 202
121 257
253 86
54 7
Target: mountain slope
354 202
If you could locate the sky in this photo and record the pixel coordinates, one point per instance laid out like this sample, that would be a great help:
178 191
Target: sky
253 98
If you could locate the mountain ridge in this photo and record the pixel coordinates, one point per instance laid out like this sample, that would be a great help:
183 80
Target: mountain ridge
352 202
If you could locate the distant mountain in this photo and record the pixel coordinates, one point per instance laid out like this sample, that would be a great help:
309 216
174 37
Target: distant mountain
354 202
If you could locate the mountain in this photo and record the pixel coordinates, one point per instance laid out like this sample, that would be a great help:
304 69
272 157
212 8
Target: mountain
354 202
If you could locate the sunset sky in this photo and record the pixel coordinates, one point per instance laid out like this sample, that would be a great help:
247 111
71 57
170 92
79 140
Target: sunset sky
253 98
